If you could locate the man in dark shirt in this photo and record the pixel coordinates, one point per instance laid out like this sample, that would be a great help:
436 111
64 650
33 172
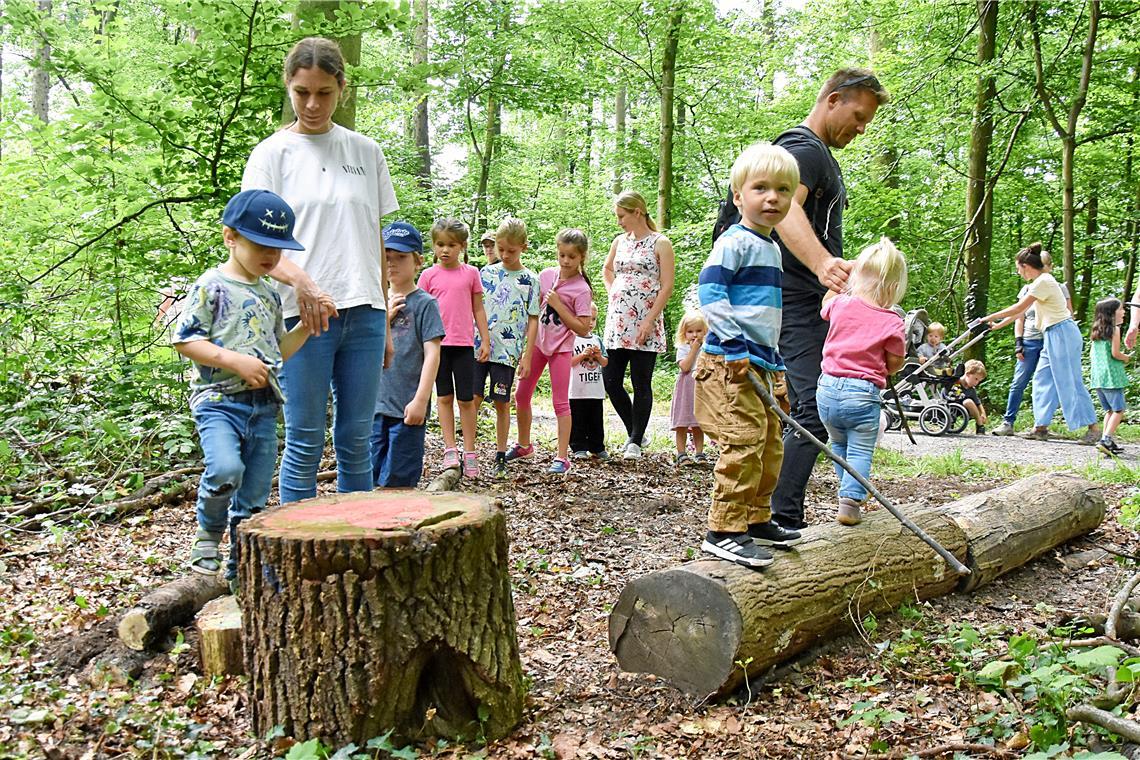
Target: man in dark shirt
811 240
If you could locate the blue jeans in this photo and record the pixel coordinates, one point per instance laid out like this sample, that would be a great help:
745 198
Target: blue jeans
239 444
397 452
1022 374
349 357
849 409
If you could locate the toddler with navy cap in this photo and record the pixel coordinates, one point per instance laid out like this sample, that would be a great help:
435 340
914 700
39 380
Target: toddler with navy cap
232 330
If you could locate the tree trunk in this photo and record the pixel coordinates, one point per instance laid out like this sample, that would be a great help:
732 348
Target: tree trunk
1133 226
219 637
176 603
481 211
375 611
710 624
1068 211
668 79
619 138
979 205
1082 289
420 118
41 76
311 10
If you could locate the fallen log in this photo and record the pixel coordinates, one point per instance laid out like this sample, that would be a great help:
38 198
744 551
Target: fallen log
446 480
219 637
168 606
708 625
388 610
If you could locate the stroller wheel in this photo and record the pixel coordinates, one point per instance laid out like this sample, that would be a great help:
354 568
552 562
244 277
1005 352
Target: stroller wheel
894 422
934 420
959 418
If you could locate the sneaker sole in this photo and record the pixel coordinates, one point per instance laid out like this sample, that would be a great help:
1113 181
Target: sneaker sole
778 544
736 559
849 520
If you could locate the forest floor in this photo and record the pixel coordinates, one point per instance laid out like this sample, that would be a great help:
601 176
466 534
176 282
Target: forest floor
902 683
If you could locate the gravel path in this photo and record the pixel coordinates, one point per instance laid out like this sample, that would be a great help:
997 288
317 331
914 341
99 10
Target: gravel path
1011 449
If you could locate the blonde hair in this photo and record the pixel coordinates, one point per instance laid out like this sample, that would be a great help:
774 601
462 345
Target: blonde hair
765 158
975 367
633 201
691 318
937 327
575 237
879 274
511 230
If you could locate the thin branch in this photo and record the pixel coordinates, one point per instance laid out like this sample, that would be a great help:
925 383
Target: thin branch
1113 621
1123 727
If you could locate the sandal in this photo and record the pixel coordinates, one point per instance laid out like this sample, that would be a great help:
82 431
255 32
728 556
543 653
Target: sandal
204 555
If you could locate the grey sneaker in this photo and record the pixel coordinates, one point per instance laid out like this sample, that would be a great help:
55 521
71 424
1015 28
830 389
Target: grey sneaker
1092 436
1003 429
632 451
1037 434
849 513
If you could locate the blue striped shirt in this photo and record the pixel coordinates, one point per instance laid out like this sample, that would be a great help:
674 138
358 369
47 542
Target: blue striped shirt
742 298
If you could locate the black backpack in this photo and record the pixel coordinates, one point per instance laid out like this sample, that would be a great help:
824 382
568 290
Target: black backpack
729 214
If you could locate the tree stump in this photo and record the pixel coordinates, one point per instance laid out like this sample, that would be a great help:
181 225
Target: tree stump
172 604
367 612
708 625
219 637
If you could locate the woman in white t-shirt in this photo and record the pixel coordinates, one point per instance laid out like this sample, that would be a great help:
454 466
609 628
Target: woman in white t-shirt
1058 379
337 183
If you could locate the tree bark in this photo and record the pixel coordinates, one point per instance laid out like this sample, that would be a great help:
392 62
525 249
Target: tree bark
1082 288
383 610
219 637
420 133
708 625
668 81
619 138
309 11
174 604
41 76
979 205
481 204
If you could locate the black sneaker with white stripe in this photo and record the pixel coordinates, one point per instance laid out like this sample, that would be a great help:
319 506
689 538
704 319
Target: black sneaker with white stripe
773 534
736 547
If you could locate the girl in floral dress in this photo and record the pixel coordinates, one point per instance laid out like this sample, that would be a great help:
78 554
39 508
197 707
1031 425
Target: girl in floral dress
639 280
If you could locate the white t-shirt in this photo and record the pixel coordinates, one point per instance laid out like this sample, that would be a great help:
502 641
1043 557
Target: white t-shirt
339 188
586 378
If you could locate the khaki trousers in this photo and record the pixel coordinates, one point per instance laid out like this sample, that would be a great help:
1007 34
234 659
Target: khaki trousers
751 449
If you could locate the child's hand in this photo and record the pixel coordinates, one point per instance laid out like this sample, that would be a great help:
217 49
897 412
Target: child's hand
554 299
484 353
738 370
396 303
251 370
415 412
524 366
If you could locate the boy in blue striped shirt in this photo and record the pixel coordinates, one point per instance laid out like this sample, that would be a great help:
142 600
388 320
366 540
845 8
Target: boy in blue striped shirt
742 300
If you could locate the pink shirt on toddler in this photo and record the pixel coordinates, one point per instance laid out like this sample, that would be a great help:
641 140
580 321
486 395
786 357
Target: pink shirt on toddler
553 336
859 338
453 289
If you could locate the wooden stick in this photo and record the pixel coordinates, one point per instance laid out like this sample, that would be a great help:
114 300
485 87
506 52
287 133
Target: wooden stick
1123 727
1118 602
939 549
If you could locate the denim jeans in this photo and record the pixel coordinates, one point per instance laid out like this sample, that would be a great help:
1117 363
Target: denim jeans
1022 374
349 357
239 444
849 409
397 452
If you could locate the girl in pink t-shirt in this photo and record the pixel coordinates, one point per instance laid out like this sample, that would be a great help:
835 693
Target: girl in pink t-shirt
459 291
864 345
566 299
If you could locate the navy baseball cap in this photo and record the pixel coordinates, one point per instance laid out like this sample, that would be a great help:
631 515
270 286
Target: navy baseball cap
401 236
262 217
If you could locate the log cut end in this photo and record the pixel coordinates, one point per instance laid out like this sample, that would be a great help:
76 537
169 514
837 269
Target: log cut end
682 626
173 604
219 637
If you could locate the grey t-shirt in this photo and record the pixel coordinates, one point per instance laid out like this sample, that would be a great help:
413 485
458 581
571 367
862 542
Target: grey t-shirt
1031 331
417 323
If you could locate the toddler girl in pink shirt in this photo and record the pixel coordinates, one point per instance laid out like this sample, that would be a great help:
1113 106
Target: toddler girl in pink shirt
864 344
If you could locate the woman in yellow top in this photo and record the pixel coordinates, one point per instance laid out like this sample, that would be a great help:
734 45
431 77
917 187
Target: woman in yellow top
1058 378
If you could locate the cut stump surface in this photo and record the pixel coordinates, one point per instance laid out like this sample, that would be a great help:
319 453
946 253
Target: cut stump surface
385 610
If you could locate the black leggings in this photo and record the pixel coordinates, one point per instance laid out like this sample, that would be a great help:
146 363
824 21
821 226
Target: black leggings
635 414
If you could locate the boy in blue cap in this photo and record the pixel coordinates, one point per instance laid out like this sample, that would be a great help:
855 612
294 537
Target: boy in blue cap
232 330
416 328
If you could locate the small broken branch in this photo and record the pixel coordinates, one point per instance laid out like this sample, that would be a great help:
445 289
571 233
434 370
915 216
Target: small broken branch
1123 727
1118 602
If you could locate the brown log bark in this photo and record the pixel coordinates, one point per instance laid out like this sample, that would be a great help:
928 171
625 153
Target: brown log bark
708 625
446 480
219 637
376 611
1007 527
174 604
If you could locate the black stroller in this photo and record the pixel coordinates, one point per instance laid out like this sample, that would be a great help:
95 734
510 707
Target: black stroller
925 394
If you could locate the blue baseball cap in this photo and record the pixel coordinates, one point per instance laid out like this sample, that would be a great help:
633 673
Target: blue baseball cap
401 236
262 217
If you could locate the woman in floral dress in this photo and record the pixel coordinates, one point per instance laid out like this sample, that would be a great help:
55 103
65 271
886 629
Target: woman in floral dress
639 280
